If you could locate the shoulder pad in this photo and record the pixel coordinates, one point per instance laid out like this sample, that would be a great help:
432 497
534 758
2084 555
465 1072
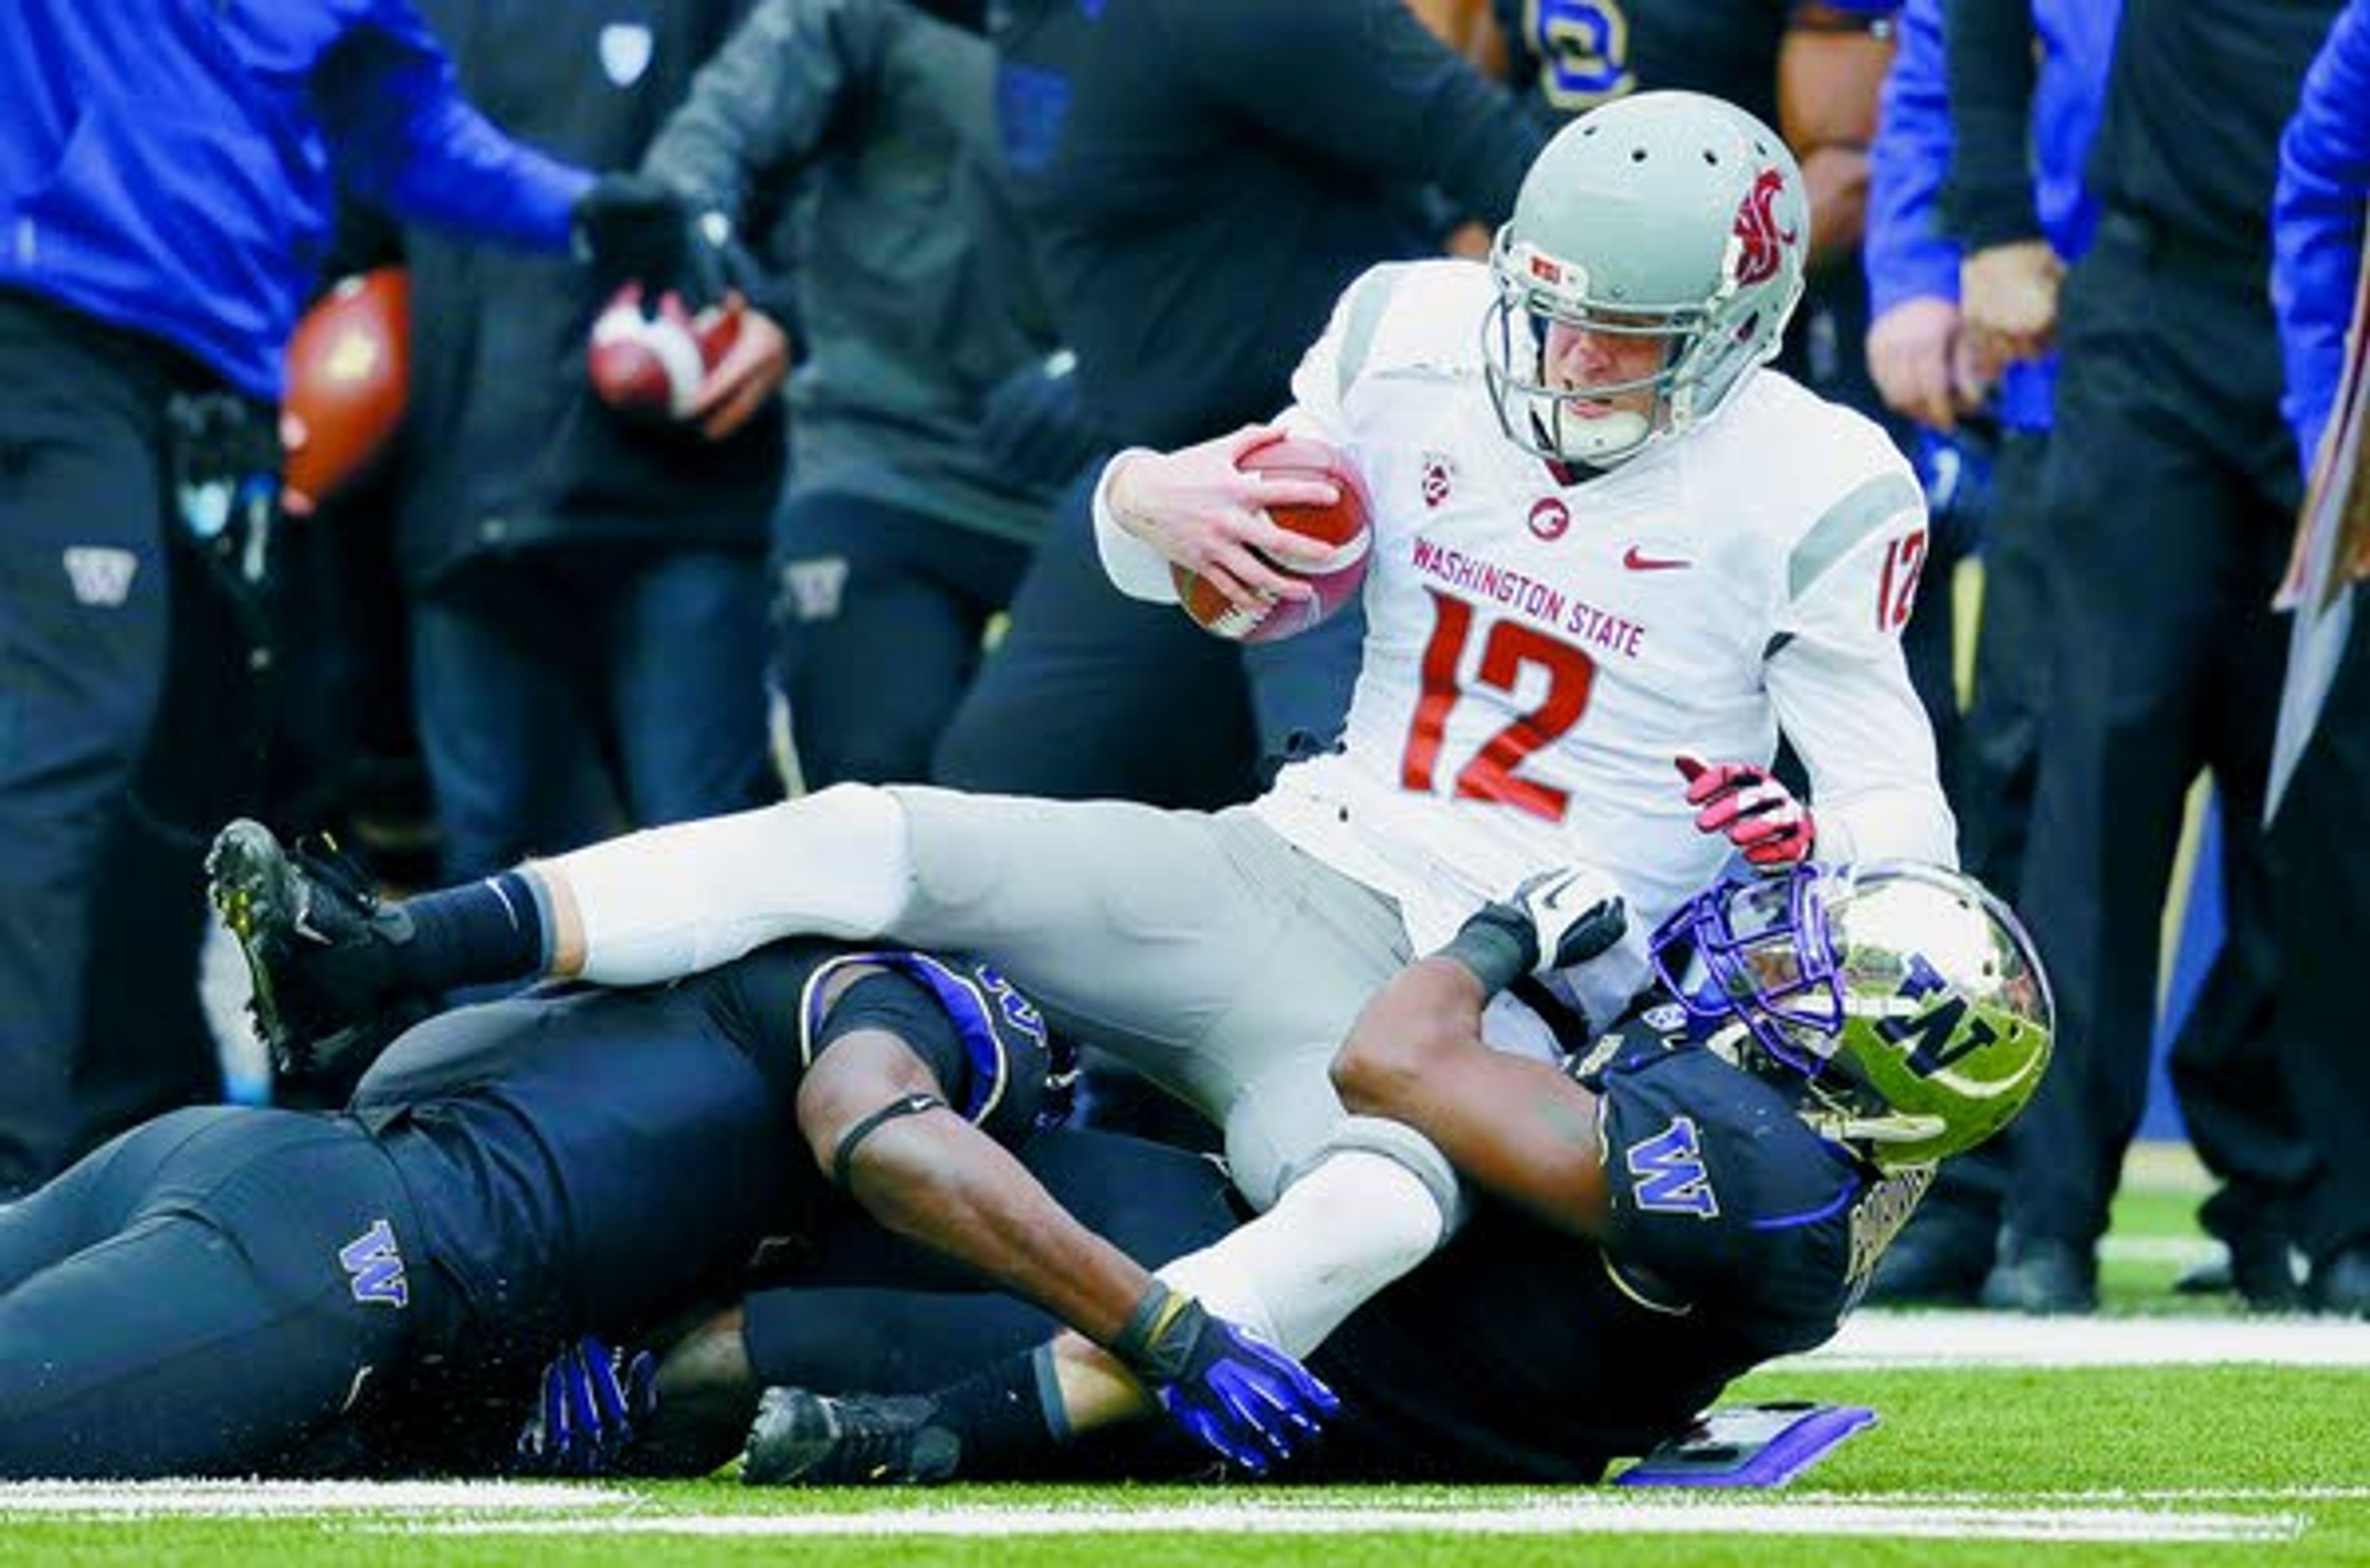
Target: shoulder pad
1412 316
1021 1077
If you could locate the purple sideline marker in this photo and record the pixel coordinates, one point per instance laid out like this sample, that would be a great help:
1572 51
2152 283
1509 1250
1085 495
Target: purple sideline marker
1750 1445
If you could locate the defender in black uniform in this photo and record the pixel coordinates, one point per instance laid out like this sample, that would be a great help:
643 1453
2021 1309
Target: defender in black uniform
229 1290
1704 1189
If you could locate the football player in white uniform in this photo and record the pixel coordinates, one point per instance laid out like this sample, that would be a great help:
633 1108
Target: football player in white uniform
1607 548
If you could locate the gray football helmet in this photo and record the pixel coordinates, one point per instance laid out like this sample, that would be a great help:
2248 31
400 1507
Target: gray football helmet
1667 215
1901 1004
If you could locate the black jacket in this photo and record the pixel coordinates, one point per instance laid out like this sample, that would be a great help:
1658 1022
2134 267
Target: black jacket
505 448
1202 177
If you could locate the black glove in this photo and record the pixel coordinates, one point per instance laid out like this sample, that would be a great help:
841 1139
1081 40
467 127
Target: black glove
1236 1394
1034 428
632 228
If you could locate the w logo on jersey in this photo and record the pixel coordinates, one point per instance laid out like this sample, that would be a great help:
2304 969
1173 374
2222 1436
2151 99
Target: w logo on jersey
1761 243
375 1267
1669 1172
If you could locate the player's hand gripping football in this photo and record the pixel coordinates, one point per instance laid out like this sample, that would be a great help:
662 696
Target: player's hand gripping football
593 1400
1203 512
1236 1394
1755 812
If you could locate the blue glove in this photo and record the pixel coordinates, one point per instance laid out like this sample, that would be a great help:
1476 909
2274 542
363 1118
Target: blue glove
1236 1394
593 1398
1034 427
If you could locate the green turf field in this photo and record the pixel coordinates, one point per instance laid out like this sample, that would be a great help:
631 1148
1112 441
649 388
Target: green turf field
2215 1462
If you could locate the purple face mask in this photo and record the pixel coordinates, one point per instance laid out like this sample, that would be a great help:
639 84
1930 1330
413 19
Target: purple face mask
1757 949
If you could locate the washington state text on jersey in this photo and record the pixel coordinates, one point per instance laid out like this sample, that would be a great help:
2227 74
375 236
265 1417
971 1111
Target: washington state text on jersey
1527 595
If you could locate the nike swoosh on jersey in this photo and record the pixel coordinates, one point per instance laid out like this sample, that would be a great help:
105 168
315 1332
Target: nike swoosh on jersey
1638 560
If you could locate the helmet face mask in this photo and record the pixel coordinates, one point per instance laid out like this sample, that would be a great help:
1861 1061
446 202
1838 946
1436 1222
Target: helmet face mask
1901 1002
1667 215
1545 417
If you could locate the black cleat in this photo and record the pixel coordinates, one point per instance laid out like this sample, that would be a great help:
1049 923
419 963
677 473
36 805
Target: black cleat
806 1439
2254 1267
2341 1282
316 943
2044 1277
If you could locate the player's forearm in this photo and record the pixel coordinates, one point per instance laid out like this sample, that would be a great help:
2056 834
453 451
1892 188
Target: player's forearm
1901 823
1430 1007
939 1180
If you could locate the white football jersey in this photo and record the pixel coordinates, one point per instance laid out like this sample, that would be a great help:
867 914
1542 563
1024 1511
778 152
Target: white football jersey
1538 654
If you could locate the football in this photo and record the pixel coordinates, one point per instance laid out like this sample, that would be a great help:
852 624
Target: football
1347 525
650 366
348 371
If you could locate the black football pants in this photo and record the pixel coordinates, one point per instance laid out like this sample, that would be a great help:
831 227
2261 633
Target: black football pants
203 1295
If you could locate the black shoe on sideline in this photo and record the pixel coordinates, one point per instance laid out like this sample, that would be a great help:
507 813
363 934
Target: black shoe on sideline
2046 1277
2341 1282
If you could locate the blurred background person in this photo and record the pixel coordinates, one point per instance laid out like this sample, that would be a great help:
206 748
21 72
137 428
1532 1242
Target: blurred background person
2317 232
1983 431
869 125
2168 493
585 586
166 178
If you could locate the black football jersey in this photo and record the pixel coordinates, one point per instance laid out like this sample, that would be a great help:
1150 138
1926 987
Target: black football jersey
588 1159
1525 1354
1566 56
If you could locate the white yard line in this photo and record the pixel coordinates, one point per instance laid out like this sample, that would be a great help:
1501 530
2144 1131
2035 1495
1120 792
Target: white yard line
1874 1339
259 1499
1576 1516
543 1509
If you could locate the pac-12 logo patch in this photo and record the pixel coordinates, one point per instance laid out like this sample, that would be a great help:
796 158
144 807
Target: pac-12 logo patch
373 1267
1439 476
1549 518
1669 1175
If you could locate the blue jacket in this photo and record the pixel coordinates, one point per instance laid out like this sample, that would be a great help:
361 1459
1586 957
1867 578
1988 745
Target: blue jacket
167 166
2317 222
1907 254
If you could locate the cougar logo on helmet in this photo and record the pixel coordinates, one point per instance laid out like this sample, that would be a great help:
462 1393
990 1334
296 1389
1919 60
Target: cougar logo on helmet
1762 244
1661 218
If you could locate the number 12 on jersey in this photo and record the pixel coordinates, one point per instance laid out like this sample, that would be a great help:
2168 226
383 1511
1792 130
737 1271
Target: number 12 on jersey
1896 589
1494 773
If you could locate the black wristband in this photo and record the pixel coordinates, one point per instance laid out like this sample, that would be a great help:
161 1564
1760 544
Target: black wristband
1157 1341
1497 944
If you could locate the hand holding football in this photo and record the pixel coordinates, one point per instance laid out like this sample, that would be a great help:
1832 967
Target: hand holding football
651 367
1346 525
